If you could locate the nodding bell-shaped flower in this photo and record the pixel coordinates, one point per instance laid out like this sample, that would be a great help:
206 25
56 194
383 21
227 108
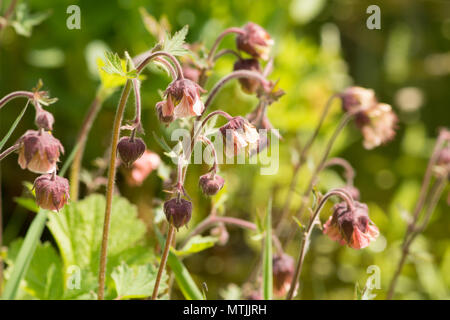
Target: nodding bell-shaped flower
283 272
142 167
44 120
357 99
377 125
351 227
178 211
211 183
248 85
182 100
39 151
52 191
130 149
255 41
239 135
165 114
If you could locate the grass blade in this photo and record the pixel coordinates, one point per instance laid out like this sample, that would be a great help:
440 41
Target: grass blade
25 255
13 127
267 259
182 276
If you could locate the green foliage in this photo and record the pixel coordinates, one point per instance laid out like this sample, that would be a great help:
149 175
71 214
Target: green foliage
175 44
78 230
137 281
267 255
116 66
14 125
25 21
196 244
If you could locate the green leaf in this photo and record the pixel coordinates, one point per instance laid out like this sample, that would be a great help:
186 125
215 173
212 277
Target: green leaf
182 276
78 230
44 278
27 203
24 21
196 244
175 44
267 258
137 281
25 255
14 125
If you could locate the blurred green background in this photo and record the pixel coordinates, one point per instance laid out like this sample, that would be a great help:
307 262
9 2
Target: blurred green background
320 47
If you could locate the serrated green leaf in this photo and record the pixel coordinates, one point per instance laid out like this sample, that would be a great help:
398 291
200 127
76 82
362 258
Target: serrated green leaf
24 21
137 281
78 230
44 278
175 44
196 244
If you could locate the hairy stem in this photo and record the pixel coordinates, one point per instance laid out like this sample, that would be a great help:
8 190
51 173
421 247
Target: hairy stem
302 159
223 52
349 172
14 95
306 237
435 194
8 151
313 180
163 262
89 119
110 187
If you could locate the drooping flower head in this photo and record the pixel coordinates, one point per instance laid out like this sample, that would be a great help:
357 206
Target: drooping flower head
44 120
130 149
351 227
239 135
283 272
178 211
52 191
377 125
357 99
39 151
211 183
248 85
182 100
142 167
255 41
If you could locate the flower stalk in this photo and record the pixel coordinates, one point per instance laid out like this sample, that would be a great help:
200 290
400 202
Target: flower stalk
162 265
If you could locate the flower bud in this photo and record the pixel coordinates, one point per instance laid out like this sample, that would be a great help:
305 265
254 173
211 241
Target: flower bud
178 211
165 114
211 183
183 99
255 41
443 162
39 151
351 227
248 85
283 272
52 191
130 149
221 233
44 120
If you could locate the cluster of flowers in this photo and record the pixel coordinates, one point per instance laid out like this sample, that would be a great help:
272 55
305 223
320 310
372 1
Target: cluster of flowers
39 152
182 99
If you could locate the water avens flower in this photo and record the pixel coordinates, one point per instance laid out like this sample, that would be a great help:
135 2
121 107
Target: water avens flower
239 135
39 151
211 183
182 99
142 167
178 211
255 41
248 85
283 267
52 191
351 227
377 125
130 149
357 99
44 120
